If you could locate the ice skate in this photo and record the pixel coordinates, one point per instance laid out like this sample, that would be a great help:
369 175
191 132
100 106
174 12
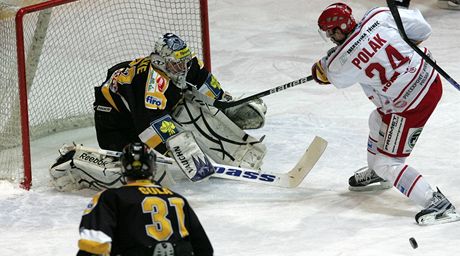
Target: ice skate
440 210
366 179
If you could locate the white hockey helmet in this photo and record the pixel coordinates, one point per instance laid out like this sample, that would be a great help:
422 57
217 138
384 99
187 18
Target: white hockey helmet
172 55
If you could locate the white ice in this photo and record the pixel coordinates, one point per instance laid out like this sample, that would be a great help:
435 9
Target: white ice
257 45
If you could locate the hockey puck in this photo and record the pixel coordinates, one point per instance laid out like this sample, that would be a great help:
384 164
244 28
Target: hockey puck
413 243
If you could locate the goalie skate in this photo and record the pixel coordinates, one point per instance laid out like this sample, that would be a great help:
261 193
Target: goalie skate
366 179
439 211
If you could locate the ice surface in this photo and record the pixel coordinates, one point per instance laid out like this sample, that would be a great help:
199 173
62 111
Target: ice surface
257 45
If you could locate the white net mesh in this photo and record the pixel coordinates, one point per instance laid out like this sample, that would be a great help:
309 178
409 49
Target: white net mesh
80 41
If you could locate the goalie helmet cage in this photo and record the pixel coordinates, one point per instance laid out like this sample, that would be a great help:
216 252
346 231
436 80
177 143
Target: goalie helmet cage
54 52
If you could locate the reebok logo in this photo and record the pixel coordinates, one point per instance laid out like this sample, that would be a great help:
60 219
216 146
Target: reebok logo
91 159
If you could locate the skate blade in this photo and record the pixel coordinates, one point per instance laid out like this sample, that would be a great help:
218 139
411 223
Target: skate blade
372 187
445 218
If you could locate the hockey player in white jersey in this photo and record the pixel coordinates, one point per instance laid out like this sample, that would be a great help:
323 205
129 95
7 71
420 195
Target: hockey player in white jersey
404 88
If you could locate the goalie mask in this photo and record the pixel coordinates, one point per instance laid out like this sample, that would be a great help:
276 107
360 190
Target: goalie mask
138 161
172 56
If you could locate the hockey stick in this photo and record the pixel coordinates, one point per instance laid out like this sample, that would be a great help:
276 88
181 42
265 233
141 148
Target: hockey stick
228 104
290 179
394 11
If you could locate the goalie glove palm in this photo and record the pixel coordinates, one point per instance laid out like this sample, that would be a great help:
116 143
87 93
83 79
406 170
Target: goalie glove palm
318 73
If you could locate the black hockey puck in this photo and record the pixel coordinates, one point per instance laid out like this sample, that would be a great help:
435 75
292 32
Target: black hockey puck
413 243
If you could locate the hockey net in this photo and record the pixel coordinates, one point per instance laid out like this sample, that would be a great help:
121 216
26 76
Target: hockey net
54 52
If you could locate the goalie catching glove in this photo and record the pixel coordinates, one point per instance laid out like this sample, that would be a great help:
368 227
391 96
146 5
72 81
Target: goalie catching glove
318 73
250 115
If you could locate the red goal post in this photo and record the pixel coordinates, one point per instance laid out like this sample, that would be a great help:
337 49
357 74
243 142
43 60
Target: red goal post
54 52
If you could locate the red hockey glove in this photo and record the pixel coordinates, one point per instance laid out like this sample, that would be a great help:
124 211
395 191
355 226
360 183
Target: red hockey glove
318 73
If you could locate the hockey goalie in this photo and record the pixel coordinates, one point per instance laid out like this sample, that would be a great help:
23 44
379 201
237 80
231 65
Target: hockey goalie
150 100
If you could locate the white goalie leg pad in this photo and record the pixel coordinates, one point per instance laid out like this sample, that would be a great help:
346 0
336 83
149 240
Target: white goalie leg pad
189 156
98 171
85 167
77 169
219 138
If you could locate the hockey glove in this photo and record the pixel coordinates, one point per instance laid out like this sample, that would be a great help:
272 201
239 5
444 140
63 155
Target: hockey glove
318 74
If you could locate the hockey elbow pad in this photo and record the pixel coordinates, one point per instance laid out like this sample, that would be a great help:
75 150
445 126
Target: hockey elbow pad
318 74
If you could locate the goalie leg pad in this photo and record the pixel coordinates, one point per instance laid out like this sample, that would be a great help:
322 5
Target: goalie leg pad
219 138
81 167
77 169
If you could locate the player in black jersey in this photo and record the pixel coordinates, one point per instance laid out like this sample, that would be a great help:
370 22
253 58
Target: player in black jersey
156 100
141 218
136 101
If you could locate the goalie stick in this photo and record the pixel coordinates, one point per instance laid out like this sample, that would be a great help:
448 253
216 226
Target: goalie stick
291 179
394 11
228 104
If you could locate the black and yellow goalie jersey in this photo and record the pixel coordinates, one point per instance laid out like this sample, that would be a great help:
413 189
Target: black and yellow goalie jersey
133 219
136 100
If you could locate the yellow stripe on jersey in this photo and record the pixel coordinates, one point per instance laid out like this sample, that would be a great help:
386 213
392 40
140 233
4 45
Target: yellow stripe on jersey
106 92
92 204
142 183
94 247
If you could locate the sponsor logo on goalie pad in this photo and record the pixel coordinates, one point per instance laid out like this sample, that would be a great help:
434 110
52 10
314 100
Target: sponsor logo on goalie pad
245 174
91 159
182 159
204 168
197 170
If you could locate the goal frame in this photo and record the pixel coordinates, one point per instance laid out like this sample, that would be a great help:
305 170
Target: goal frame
22 81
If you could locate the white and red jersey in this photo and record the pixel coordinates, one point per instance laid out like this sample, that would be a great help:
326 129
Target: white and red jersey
394 77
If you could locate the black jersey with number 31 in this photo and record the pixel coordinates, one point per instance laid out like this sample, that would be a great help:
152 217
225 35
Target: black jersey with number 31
132 219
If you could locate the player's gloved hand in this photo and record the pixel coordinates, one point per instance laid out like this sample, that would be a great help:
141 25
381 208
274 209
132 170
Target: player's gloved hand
318 74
